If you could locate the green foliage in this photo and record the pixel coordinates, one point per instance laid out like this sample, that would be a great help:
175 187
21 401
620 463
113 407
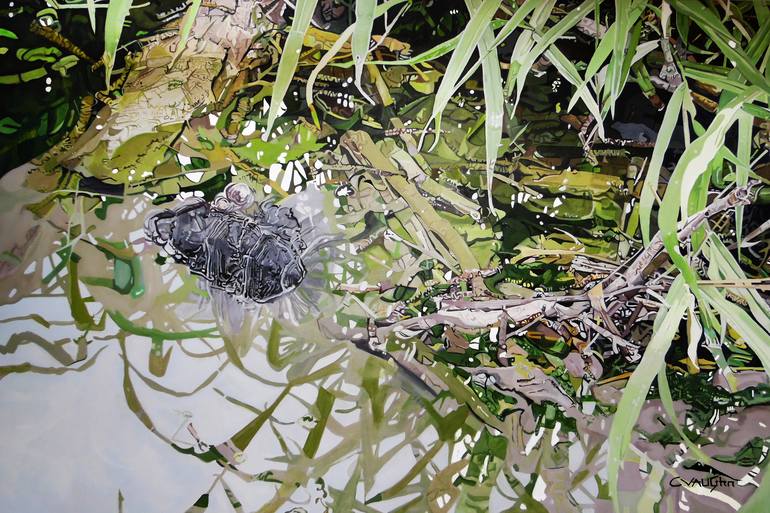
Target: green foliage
113 28
303 12
430 298
187 25
635 391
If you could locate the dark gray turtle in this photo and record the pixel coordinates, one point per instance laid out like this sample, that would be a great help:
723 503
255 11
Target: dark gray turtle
255 256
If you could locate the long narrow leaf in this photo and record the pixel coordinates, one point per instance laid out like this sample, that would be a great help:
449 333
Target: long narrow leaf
745 126
568 71
526 40
113 28
303 13
759 500
91 6
714 29
469 39
756 337
594 65
668 405
362 34
692 164
714 78
623 22
730 269
763 12
493 100
431 54
650 188
524 44
605 48
635 393
323 403
187 24
514 22
549 38
325 60
337 46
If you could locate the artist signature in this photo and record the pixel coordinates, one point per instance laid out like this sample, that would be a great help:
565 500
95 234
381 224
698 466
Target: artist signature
711 483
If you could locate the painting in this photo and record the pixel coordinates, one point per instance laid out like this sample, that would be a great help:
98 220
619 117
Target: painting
385 256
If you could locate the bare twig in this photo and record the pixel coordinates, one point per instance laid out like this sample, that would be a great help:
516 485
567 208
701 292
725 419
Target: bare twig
637 270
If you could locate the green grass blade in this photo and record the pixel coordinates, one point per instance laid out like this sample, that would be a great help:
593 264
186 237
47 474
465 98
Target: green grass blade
715 76
232 498
626 66
507 29
622 22
322 63
431 54
635 393
668 406
362 34
526 41
762 12
699 200
117 11
323 404
569 72
594 65
437 51
757 111
549 38
518 18
337 46
541 15
303 13
91 6
759 500
756 337
469 39
692 164
243 438
694 333
623 49
187 24
745 125
524 44
716 31
730 269
493 100
650 187
409 476
759 43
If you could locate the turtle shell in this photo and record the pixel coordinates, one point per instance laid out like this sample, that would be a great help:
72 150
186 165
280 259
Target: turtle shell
252 257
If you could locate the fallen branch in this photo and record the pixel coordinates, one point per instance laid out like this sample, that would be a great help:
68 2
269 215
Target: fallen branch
637 270
482 314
